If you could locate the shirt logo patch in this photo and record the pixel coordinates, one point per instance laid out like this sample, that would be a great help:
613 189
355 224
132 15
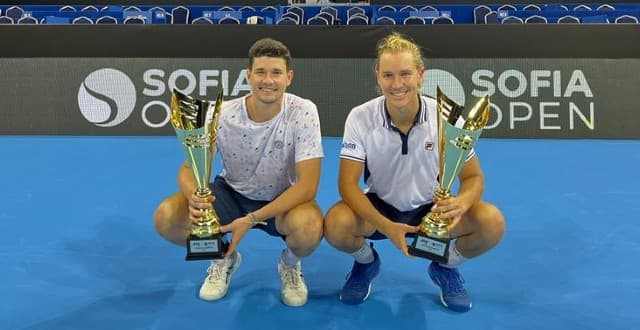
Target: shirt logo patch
428 145
347 145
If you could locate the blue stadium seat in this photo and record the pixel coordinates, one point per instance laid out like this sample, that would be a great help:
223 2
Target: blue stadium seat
605 7
412 20
408 8
568 19
292 15
331 11
507 8
385 20
357 20
269 9
67 8
134 20
82 20
491 17
28 20
180 15
247 9
479 13
512 20
202 20
6 20
356 10
286 21
90 8
106 20
15 12
442 20
229 20
328 16
131 8
387 8
536 19
317 20
626 19
582 7
531 7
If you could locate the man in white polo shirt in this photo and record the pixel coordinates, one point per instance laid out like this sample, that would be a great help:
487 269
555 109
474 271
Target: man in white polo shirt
393 139
271 150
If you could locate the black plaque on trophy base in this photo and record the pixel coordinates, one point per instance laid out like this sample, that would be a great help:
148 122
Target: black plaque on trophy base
206 248
436 249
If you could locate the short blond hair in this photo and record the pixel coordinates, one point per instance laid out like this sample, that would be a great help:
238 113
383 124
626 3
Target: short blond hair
396 43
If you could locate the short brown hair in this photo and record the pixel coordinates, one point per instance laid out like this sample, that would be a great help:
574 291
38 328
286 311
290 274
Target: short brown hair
270 48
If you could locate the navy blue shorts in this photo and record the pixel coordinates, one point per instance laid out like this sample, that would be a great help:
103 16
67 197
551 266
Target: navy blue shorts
230 205
412 218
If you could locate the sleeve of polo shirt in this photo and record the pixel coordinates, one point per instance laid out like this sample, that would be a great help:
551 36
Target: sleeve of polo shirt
308 143
352 139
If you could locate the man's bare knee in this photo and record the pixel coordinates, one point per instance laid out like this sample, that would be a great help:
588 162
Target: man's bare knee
171 220
338 224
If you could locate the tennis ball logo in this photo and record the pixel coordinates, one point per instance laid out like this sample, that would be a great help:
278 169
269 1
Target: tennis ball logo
106 97
447 82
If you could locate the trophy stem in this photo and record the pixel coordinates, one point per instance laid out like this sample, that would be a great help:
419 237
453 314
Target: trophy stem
210 223
431 224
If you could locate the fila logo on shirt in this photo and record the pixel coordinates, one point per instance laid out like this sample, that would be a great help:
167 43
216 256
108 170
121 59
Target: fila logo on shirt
428 145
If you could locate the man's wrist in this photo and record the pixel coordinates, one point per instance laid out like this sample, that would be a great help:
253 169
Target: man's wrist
253 220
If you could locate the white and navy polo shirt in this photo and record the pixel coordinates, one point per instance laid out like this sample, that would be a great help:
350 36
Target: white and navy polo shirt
401 169
258 159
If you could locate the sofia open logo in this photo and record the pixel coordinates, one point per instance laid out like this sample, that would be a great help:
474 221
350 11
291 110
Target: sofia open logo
106 97
447 82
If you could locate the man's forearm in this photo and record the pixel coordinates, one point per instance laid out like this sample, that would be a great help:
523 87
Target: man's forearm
295 195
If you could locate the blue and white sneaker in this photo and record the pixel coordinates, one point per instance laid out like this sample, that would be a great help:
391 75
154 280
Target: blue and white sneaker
216 284
452 292
358 286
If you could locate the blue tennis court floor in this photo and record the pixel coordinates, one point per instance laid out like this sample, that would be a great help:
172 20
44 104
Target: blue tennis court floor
78 248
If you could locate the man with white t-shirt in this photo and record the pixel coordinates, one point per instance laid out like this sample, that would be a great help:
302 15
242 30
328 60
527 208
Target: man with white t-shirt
270 145
393 139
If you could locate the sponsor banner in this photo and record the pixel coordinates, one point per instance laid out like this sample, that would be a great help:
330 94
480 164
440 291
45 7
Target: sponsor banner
530 98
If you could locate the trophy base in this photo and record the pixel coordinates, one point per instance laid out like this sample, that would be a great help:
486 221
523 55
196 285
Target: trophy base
435 249
206 248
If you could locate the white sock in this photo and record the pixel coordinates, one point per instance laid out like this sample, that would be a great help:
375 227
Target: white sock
230 259
455 258
288 258
364 255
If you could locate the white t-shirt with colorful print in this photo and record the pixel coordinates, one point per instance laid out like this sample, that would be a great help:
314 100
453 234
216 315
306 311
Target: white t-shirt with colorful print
259 158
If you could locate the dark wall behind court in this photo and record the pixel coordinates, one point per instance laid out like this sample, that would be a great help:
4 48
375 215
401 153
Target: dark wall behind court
545 81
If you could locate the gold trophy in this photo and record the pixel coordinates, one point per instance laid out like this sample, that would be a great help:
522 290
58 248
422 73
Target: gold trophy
456 138
196 124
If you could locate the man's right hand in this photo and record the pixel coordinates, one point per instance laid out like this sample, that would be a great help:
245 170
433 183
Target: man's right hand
197 206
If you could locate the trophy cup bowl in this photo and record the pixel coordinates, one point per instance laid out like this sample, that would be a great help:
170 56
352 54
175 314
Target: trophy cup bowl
457 135
195 123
